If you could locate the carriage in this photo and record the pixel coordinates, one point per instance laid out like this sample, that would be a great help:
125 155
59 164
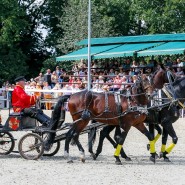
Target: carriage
85 106
31 144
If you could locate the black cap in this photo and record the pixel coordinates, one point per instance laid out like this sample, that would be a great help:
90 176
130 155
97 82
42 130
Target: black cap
20 78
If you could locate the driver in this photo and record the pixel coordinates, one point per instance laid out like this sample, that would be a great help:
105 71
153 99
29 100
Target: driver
23 102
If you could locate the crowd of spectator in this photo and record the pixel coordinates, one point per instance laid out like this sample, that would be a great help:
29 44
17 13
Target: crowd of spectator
106 76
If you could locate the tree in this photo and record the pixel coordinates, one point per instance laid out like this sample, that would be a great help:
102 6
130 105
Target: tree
109 18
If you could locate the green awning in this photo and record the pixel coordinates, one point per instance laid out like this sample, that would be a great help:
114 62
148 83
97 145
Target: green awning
107 51
170 48
135 39
125 50
83 53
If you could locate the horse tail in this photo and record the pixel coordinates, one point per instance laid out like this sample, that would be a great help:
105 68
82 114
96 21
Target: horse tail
92 136
59 112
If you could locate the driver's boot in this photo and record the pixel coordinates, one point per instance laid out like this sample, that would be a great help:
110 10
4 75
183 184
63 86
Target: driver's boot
43 119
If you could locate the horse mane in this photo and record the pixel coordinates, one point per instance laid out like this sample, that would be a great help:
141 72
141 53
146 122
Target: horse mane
178 80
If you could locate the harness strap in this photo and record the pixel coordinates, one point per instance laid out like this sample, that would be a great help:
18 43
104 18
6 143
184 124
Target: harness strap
106 103
170 97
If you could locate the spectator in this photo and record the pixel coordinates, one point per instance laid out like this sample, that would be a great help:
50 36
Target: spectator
47 77
54 79
38 94
57 87
40 79
179 72
58 71
75 70
47 95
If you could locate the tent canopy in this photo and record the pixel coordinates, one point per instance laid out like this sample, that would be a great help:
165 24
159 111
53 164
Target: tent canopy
143 45
170 48
107 51
135 39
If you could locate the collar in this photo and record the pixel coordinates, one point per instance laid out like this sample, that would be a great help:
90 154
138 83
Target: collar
20 86
165 90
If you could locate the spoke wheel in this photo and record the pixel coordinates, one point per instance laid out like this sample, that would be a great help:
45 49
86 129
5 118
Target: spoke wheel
31 146
54 149
7 143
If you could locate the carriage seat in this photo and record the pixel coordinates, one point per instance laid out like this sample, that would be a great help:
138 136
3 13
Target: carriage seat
17 121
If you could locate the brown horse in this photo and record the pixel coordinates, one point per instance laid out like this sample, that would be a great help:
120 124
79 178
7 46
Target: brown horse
87 105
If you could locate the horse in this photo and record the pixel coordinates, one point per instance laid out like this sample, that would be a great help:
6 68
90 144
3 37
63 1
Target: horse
102 107
173 98
105 132
156 115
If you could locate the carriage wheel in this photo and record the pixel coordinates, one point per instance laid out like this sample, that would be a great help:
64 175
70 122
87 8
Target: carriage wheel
7 143
54 149
31 146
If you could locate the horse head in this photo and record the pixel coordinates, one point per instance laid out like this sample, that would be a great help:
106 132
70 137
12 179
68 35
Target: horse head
138 92
158 78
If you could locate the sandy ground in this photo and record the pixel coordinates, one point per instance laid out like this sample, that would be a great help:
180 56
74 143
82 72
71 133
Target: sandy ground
55 170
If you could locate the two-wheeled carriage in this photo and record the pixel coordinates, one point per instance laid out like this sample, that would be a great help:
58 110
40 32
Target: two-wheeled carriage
31 144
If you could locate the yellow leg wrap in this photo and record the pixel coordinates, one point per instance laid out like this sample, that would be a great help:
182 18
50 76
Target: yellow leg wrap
169 149
118 149
152 146
163 148
157 137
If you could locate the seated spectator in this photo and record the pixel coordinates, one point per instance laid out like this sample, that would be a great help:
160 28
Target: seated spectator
116 84
67 90
97 88
111 74
131 72
38 94
179 72
75 70
57 87
124 82
126 65
47 95
100 81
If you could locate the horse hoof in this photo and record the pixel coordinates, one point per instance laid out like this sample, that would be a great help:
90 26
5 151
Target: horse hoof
83 160
166 159
118 163
148 147
156 156
93 156
70 161
152 159
128 159
161 155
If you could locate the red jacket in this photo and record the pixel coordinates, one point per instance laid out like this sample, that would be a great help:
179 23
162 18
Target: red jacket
20 99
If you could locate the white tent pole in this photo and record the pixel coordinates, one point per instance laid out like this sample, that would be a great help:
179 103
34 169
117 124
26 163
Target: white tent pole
89 45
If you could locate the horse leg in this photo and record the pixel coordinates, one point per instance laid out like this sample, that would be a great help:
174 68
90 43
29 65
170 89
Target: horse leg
151 130
119 146
80 148
73 133
141 127
169 128
91 139
151 127
116 138
164 141
104 133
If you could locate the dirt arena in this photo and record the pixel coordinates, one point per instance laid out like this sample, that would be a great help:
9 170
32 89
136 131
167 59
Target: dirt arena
56 171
